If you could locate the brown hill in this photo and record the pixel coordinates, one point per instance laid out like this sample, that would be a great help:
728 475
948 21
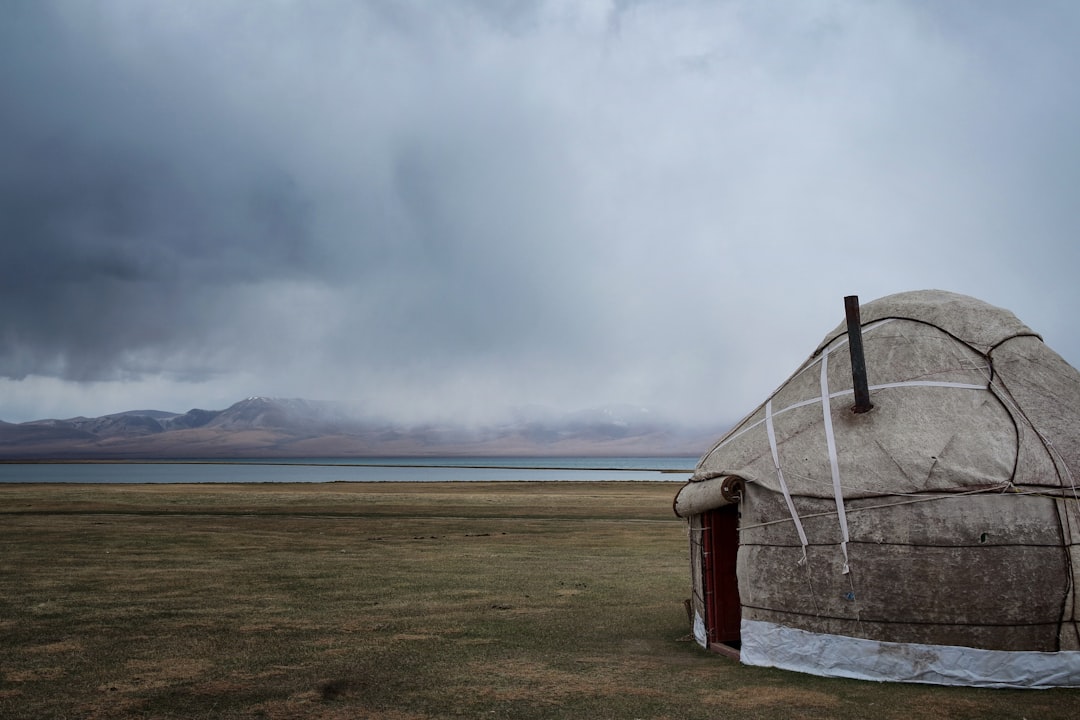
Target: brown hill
270 427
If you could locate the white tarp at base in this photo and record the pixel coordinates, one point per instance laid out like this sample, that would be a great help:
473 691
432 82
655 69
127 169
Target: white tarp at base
771 645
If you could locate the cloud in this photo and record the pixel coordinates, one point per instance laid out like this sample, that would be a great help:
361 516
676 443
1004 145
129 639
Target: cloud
447 209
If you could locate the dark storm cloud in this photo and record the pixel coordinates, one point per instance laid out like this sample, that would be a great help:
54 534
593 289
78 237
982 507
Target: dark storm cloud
124 209
153 210
450 207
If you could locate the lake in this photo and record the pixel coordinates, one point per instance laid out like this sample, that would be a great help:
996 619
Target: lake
412 469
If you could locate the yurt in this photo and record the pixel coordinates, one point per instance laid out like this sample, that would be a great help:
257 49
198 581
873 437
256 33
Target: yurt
931 534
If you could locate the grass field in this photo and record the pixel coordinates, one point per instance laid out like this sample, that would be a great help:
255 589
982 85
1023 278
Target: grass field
401 601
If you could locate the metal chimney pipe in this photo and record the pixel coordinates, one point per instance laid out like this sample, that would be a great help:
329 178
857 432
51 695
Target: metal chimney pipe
858 360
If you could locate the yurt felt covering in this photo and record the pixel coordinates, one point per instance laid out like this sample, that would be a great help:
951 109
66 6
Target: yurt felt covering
935 538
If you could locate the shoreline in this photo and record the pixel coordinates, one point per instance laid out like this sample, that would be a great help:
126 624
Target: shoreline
284 462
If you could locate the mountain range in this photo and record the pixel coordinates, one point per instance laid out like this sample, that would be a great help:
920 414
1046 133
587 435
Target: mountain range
261 427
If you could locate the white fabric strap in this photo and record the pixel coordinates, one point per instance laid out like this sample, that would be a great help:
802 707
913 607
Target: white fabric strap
842 393
783 483
834 463
922 383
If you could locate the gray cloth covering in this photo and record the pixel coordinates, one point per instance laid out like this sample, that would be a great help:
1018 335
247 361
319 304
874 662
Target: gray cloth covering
921 435
953 503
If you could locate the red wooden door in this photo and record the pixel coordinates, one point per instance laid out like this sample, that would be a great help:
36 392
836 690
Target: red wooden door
720 541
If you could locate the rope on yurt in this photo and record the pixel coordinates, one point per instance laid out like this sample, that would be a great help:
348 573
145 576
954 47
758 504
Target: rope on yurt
1000 488
1061 467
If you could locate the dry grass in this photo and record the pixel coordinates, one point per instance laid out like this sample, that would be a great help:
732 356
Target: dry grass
402 601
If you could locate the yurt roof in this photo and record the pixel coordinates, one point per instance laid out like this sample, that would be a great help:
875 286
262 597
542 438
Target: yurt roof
966 397
973 322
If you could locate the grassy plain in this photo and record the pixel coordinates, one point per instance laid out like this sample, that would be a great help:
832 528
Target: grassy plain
400 601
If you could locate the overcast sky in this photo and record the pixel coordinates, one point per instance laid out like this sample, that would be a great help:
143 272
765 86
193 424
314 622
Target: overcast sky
443 209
